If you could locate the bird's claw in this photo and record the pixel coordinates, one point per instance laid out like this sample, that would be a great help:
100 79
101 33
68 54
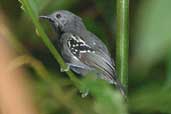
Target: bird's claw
65 69
84 93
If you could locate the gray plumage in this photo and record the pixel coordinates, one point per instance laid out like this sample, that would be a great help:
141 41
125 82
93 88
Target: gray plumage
82 50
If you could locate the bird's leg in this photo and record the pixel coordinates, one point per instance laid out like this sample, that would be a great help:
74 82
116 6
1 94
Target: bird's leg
66 69
84 93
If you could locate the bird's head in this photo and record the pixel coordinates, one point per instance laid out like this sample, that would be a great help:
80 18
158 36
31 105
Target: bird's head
64 20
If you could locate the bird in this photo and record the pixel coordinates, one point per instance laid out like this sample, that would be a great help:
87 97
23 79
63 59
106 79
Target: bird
81 49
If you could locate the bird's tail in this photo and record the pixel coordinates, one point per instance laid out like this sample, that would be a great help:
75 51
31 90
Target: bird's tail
120 87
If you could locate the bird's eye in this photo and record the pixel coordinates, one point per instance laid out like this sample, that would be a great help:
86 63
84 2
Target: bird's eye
58 16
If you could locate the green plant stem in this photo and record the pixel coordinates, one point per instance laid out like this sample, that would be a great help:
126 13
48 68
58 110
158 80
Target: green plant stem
122 41
28 9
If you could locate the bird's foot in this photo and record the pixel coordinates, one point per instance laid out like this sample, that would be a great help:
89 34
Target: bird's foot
84 93
65 69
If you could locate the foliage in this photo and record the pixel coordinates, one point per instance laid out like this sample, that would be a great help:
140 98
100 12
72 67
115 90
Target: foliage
149 57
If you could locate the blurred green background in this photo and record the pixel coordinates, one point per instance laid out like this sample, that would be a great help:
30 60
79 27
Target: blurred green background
149 75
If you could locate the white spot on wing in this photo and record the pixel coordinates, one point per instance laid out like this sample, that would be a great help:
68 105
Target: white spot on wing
88 51
80 42
83 51
93 51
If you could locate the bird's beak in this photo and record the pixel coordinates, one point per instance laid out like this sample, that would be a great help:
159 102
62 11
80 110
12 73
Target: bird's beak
53 21
47 17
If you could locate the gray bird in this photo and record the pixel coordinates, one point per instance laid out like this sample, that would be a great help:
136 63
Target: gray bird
82 50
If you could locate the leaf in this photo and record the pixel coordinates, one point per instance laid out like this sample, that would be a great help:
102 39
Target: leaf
107 101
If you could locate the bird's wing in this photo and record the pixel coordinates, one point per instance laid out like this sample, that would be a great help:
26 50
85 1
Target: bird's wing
93 41
92 57
100 63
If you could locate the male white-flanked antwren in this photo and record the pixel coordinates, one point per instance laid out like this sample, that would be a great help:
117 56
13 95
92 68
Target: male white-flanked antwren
81 50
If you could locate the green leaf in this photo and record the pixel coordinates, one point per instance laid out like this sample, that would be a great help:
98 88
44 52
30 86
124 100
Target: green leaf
107 100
